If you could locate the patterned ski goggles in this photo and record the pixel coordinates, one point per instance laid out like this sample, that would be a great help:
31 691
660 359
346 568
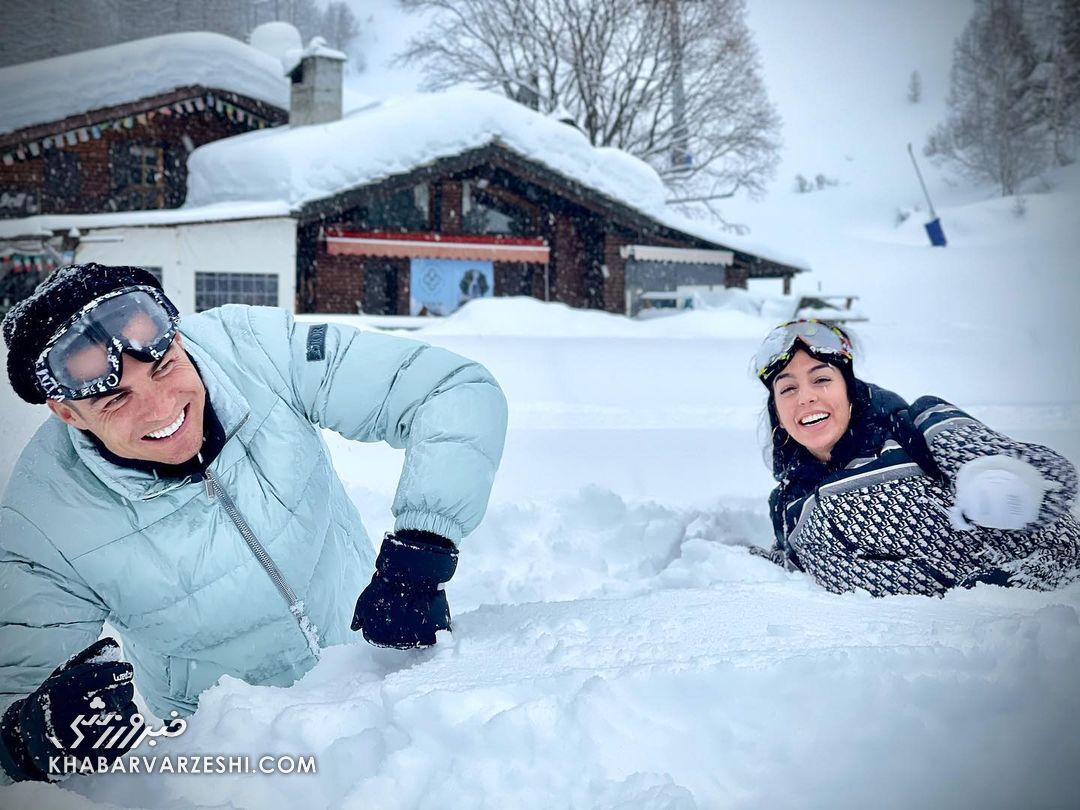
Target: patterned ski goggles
84 357
818 337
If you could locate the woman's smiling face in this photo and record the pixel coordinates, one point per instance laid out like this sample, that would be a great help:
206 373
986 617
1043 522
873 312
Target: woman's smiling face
812 403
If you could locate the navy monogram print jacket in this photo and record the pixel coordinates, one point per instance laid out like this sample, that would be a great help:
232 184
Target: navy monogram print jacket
875 516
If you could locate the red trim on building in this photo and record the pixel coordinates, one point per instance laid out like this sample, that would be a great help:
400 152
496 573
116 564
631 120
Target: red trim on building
437 246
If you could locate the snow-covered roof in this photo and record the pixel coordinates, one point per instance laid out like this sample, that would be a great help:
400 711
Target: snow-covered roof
708 229
47 224
317 47
304 164
395 136
53 89
276 38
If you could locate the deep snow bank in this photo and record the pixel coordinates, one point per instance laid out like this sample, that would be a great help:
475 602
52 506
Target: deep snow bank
758 694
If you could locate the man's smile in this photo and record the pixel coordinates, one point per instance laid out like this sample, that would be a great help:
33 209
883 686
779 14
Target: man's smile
169 430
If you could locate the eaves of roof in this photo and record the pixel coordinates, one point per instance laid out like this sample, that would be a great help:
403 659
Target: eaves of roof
498 154
145 104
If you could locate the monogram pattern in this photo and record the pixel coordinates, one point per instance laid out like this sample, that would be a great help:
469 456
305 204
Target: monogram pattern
893 534
957 446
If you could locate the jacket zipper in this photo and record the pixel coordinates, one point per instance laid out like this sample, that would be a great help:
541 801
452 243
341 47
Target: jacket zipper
296 607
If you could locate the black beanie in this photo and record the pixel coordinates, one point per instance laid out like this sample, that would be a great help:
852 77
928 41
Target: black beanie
31 322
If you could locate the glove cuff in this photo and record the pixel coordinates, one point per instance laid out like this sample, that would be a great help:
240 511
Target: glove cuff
417 556
14 758
991 576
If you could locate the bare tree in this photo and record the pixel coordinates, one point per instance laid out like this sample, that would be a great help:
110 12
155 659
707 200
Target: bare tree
996 126
675 82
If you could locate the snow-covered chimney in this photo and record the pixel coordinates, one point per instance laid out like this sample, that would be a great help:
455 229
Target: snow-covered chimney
316 85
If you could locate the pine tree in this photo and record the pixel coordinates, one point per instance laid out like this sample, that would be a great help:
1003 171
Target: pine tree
914 92
1055 28
996 128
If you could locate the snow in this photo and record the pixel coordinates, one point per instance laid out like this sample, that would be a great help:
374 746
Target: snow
400 135
385 28
614 644
54 89
317 47
276 39
396 136
47 224
528 317
109 655
307 627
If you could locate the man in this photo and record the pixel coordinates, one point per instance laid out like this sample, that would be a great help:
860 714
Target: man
184 494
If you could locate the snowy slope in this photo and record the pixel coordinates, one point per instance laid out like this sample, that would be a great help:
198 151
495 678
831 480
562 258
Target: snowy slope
615 645
838 71
53 89
760 694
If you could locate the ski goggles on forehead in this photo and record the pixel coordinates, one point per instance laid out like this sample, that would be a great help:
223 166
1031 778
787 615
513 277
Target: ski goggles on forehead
84 357
783 341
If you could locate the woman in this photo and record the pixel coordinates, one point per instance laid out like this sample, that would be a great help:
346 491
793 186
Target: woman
891 498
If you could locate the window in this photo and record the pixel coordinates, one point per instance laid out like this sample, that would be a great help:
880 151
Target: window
215 289
380 289
402 211
15 203
146 166
138 175
482 212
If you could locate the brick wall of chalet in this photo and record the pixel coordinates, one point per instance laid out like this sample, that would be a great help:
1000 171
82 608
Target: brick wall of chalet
615 284
585 267
339 282
96 187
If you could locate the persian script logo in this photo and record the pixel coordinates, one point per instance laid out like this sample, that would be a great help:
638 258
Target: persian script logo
106 733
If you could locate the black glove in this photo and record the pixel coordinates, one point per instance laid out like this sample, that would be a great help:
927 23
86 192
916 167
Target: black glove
402 606
27 725
991 576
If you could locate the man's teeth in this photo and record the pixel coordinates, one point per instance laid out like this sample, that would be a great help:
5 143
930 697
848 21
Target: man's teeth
813 418
168 431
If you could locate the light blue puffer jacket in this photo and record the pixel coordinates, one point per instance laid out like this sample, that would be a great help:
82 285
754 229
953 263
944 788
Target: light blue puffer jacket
83 541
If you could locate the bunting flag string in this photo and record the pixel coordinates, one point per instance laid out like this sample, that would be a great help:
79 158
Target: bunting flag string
83 134
21 263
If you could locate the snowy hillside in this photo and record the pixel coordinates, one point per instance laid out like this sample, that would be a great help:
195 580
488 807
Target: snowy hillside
615 644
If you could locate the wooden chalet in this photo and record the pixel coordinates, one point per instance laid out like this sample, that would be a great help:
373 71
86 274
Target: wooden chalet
89 133
127 155
546 236
406 208
130 156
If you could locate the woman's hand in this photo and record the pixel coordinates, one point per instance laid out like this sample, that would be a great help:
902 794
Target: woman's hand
998 492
